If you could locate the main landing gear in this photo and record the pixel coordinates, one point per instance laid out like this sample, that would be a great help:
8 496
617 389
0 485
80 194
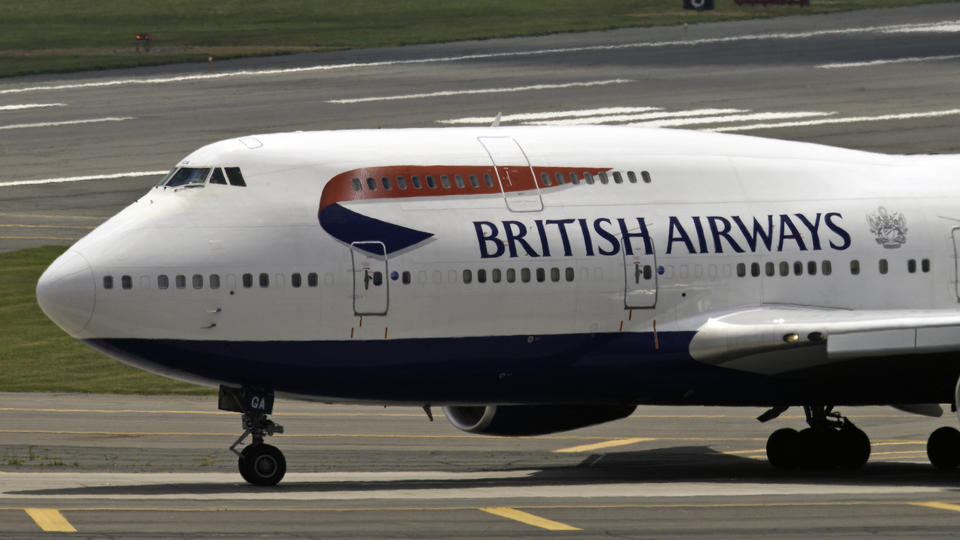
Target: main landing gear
260 464
831 441
943 448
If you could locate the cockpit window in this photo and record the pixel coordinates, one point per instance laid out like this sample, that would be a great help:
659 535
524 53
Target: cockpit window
217 177
167 177
188 176
233 173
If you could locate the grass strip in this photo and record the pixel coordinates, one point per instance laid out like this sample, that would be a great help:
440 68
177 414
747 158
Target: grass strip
42 36
37 356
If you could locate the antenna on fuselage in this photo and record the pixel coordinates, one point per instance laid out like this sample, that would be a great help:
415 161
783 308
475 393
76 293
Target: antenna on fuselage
496 121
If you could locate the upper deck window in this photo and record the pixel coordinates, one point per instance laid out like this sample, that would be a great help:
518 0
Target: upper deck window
189 176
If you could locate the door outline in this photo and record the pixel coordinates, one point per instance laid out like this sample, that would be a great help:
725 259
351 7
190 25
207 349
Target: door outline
516 201
369 257
640 269
955 233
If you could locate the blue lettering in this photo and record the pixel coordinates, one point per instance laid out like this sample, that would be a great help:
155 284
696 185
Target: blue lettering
722 233
615 246
794 235
562 227
641 233
587 242
514 232
676 233
813 229
838 230
544 243
700 237
766 236
484 239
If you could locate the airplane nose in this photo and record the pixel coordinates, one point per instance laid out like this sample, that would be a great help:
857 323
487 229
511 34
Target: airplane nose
66 291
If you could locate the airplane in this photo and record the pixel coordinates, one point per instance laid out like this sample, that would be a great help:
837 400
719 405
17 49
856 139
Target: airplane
536 279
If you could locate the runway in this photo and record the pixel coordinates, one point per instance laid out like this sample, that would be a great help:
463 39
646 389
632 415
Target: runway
77 148
135 466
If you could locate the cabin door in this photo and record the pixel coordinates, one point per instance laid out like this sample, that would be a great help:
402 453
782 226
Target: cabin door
517 182
956 261
640 272
371 288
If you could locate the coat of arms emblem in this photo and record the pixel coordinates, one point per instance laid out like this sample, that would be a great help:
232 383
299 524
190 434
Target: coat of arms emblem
889 228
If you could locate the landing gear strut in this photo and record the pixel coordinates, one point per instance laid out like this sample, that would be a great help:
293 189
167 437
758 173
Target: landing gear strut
831 441
260 464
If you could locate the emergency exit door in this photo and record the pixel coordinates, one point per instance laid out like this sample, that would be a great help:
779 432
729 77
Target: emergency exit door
371 288
517 182
640 275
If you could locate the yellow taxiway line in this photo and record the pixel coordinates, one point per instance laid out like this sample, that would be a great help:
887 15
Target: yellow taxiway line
529 519
49 519
604 444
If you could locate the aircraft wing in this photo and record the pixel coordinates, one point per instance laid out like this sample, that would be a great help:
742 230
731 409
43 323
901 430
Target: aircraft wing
780 339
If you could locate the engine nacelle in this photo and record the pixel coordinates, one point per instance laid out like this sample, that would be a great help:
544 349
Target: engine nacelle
532 419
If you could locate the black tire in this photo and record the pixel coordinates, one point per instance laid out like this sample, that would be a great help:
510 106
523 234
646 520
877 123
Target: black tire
943 448
854 448
782 448
262 465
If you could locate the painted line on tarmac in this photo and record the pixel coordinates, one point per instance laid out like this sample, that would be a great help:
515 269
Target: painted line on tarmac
547 115
905 60
528 519
507 90
847 120
71 238
606 444
778 36
41 181
23 106
622 118
49 520
68 122
939 505
678 122
49 216
209 413
24 226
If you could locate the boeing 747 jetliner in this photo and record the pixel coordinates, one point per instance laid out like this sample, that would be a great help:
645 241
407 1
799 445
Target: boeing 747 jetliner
536 279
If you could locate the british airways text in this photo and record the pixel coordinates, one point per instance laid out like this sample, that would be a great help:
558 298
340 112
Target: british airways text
693 235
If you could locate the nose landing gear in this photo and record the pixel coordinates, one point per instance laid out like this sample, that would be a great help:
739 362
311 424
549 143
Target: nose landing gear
260 464
831 441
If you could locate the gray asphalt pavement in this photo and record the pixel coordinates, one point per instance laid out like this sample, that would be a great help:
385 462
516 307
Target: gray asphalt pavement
883 80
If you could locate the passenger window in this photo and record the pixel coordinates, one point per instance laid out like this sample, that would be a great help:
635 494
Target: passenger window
189 176
770 268
603 178
372 184
646 177
912 266
488 179
883 266
826 268
574 179
236 179
741 270
632 177
541 275
495 275
511 275
797 268
312 279
554 274
264 279
163 282
467 276
812 268
415 180
126 282
481 276
181 281
588 177
107 282
925 265
247 281
402 183
570 274
197 281
784 268
617 177
431 183
356 184
445 181
296 280
755 269
525 275
854 267
545 179
473 181
214 281
406 277
559 177
217 177
459 180
386 183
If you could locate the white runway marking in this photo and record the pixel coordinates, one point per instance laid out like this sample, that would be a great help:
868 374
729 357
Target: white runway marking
623 118
228 486
485 120
80 178
482 91
23 106
847 120
68 122
905 60
676 122
943 26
